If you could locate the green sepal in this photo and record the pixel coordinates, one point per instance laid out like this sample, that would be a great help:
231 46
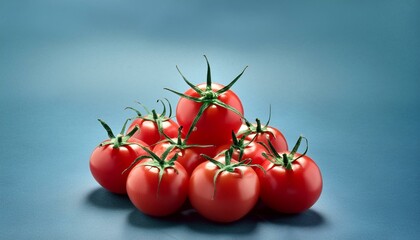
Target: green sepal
120 139
259 128
296 147
239 144
208 82
227 87
283 159
107 128
139 115
203 107
198 90
184 96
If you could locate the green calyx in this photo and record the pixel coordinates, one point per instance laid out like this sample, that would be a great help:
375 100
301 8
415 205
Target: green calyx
153 115
238 144
208 96
228 166
259 128
158 162
283 159
120 139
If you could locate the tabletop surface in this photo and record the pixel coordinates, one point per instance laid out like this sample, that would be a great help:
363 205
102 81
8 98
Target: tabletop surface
344 74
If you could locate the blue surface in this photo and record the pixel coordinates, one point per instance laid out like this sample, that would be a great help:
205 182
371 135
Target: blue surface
345 74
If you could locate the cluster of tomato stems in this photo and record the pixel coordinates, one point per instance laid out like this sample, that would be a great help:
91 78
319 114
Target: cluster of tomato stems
208 97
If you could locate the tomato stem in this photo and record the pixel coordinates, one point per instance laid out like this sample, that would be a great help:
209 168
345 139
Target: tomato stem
118 141
154 115
259 129
286 162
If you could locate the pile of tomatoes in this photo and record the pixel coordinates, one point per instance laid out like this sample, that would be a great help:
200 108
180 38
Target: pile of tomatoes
211 156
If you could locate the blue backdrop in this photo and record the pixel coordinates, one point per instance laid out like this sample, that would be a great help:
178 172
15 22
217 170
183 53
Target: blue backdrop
345 74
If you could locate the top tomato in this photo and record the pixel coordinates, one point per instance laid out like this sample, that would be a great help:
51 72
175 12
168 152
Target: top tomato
209 112
216 123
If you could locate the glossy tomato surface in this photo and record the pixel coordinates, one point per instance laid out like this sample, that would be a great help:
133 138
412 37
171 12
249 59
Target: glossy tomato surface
153 199
107 164
149 133
216 123
291 191
234 197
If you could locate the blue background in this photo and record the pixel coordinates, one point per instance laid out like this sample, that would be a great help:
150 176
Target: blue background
343 73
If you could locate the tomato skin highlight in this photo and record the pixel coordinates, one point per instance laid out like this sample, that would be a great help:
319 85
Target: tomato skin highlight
144 193
216 123
235 195
291 191
107 163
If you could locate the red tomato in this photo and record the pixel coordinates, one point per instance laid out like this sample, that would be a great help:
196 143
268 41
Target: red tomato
152 125
264 134
149 132
290 186
228 198
216 123
249 150
209 112
156 187
111 158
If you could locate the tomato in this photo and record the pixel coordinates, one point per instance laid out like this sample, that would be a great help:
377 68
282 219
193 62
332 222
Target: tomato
112 157
158 187
153 125
149 131
223 192
245 149
216 122
189 158
292 182
209 111
265 133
